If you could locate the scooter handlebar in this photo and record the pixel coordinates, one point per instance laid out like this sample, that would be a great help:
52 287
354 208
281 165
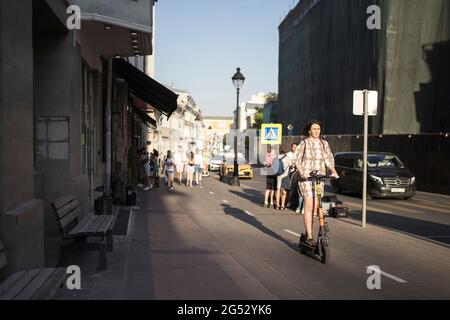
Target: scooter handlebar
317 176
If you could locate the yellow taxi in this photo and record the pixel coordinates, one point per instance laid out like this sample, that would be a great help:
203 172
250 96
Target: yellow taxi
227 169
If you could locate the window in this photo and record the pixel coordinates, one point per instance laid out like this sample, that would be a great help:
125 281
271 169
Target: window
52 138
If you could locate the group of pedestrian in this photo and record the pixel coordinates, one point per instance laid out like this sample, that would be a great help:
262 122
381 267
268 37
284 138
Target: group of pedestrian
150 165
279 188
189 167
180 167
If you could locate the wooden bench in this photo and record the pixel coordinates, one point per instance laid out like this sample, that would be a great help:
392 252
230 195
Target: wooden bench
67 211
38 284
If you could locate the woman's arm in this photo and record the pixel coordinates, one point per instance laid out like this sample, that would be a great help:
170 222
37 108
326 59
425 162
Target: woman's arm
299 157
329 160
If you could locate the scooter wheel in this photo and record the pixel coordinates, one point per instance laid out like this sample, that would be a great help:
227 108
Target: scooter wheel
325 257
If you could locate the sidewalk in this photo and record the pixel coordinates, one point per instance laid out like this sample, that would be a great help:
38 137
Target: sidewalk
164 259
170 254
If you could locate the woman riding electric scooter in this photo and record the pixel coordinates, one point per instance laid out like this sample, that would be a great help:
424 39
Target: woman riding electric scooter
313 155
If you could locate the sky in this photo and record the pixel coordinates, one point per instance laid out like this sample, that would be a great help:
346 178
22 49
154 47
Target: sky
200 43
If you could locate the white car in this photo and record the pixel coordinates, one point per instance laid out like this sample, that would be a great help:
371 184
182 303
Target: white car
215 163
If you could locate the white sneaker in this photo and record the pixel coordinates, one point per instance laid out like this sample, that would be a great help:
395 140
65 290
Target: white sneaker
146 189
298 210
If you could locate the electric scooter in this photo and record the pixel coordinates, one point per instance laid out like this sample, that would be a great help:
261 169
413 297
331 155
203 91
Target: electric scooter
321 250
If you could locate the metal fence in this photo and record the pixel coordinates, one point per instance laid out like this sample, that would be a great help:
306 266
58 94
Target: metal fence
426 155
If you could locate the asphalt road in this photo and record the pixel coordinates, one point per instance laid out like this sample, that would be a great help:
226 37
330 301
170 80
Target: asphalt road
426 216
257 250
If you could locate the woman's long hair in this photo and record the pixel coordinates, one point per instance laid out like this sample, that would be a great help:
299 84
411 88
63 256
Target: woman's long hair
307 128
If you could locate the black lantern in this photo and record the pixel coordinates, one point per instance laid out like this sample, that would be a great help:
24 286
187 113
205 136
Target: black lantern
238 82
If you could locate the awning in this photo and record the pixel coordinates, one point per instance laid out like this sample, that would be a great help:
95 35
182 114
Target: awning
149 121
146 88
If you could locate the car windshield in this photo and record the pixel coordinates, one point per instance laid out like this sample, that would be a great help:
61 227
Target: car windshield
241 160
217 158
383 161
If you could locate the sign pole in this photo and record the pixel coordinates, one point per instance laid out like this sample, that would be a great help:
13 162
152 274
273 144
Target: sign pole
366 133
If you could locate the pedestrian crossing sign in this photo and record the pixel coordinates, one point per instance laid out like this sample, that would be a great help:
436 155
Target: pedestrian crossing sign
271 133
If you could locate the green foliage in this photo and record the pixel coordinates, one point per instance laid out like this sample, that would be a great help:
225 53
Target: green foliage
259 119
271 96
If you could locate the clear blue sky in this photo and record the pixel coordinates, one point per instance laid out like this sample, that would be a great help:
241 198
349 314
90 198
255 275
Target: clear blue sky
199 44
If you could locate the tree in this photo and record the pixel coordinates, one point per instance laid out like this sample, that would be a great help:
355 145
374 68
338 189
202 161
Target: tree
271 96
259 119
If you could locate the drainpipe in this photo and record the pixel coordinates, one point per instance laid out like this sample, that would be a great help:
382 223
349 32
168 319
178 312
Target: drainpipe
108 193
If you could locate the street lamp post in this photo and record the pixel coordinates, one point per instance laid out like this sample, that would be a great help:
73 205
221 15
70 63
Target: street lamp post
238 82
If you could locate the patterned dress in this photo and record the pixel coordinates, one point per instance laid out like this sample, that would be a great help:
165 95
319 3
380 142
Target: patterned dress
313 154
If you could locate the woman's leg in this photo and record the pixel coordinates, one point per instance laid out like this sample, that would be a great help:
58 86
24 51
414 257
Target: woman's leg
272 193
307 218
283 198
190 178
266 197
277 197
171 180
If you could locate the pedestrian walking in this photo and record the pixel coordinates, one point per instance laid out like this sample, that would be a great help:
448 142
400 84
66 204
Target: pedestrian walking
283 182
169 168
271 180
292 197
190 168
198 161
155 166
180 163
148 173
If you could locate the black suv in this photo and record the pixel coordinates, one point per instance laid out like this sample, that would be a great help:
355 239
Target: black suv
387 175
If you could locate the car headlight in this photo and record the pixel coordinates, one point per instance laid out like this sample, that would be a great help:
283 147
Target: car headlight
378 179
413 180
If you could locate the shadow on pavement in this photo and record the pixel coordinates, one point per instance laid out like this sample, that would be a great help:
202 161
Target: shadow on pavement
251 195
425 229
241 215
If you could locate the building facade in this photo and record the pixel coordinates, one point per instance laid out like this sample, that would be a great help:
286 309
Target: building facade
215 129
183 129
248 110
327 51
68 119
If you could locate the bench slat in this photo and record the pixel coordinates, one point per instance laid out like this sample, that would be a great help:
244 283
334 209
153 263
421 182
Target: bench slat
93 229
50 287
62 202
107 224
64 222
86 227
80 225
63 211
35 284
5 285
20 284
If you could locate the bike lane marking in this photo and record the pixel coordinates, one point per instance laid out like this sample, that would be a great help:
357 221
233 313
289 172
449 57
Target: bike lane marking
292 232
387 275
249 213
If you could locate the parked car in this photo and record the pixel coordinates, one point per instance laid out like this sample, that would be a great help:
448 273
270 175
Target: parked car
216 162
245 169
387 176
